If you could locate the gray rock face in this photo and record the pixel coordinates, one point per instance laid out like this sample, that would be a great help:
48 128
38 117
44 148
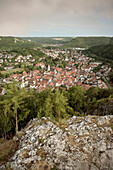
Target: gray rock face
81 143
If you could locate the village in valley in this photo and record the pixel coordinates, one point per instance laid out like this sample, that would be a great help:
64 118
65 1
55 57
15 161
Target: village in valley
78 69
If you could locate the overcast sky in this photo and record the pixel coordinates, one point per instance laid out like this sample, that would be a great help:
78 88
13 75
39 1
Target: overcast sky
56 17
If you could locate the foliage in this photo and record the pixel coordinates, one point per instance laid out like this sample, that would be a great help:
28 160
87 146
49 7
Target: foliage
86 42
18 106
111 40
103 51
111 76
49 40
9 43
76 98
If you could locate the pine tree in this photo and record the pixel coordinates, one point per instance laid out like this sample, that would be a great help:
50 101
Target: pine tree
48 107
16 95
76 98
5 116
59 104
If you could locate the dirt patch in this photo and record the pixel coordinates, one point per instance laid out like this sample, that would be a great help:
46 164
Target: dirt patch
41 165
7 149
71 139
25 154
41 153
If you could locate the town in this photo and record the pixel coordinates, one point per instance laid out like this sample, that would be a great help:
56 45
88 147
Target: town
78 69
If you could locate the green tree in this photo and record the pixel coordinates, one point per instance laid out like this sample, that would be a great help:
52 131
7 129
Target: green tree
5 116
16 95
48 107
92 92
40 102
76 98
59 104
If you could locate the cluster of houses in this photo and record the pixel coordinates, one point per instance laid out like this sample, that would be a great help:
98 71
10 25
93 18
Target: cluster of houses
78 71
8 61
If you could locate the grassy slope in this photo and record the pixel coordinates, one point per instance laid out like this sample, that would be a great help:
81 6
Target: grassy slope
86 42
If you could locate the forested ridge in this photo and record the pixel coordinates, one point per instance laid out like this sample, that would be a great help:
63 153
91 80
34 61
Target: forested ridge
9 43
103 51
18 106
86 42
49 40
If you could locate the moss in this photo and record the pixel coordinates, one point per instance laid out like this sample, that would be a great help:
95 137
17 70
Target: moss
35 124
94 117
78 120
40 140
111 124
43 121
54 168
62 125
8 167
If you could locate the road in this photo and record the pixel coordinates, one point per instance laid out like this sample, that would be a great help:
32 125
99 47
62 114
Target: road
106 82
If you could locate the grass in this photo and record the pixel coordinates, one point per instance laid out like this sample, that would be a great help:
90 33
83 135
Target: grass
54 168
11 71
7 149
111 124
8 167
40 140
61 124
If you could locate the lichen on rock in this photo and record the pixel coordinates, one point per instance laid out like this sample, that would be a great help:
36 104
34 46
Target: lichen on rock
86 143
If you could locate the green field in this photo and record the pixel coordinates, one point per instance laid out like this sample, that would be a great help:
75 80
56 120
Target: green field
11 71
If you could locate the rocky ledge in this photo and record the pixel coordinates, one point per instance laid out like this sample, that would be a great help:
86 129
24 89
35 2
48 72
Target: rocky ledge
78 143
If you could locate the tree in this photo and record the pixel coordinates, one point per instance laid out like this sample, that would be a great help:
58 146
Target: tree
92 92
76 98
16 95
48 107
40 102
59 104
5 116
0 74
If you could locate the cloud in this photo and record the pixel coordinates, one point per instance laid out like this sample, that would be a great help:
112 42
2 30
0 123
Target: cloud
24 17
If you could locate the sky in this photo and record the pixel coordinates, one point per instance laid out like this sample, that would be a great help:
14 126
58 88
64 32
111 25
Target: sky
43 18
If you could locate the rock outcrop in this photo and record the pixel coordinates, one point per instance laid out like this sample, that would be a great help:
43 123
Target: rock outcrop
104 109
79 143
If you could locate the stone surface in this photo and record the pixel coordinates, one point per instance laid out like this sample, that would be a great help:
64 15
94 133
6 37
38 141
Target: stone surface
85 143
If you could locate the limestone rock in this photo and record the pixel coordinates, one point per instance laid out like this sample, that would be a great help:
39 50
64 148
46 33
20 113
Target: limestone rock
85 143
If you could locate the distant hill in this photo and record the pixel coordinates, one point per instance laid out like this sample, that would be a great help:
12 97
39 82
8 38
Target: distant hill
103 51
9 43
49 40
86 42
111 40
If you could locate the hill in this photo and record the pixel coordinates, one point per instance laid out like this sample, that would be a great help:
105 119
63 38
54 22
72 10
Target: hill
49 40
111 40
86 42
9 43
102 51
76 143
